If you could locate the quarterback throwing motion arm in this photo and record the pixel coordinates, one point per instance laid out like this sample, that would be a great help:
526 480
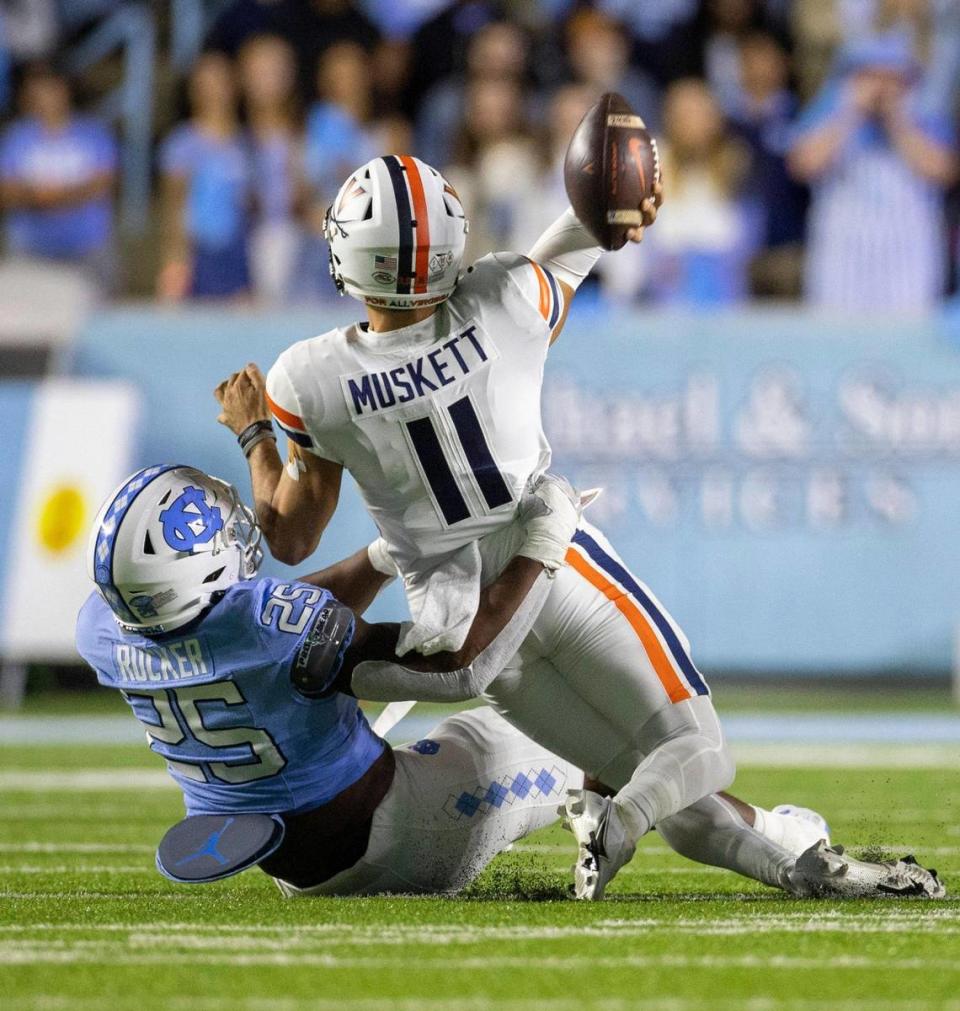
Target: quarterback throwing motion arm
569 251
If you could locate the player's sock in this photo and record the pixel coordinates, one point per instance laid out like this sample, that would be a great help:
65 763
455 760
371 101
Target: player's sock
713 832
794 833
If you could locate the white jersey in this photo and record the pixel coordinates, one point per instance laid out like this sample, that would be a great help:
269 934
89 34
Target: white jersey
438 422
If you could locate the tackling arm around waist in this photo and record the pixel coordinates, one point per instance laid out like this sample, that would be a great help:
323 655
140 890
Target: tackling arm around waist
508 609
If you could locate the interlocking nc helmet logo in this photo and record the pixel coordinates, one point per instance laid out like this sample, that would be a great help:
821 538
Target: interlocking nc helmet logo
189 521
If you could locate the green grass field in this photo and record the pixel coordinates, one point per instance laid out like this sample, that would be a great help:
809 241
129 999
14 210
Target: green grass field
86 922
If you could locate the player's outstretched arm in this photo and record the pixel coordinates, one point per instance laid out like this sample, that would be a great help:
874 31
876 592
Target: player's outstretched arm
370 668
353 581
293 511
569 251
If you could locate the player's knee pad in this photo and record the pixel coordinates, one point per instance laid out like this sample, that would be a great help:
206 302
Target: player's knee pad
690 731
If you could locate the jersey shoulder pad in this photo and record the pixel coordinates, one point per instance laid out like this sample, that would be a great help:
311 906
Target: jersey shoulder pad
241 631
318 660
527 290
283 611
306 632
285 402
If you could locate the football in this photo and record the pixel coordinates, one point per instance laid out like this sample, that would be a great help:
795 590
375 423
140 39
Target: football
610 168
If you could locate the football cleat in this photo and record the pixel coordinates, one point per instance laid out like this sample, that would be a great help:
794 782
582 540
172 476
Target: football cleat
818 824
825 871
604 846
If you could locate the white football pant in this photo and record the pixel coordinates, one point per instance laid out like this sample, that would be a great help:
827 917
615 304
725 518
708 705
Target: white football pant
605 679
460 796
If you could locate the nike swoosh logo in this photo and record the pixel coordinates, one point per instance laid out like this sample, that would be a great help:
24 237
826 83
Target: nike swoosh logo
635 147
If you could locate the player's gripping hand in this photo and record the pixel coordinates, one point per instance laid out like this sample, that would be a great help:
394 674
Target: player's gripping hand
243 399
649 209
549 512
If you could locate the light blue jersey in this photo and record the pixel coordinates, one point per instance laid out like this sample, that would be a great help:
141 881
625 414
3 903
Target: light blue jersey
218 704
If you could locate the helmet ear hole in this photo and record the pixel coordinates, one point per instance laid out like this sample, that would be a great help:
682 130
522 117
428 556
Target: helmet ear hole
215 575
148 548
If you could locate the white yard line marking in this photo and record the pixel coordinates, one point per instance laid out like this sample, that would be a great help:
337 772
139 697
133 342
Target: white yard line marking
721 928
883 912
848 756
73 780
45 896
663 1002
175 937
36 846
94 955
78 868
148 865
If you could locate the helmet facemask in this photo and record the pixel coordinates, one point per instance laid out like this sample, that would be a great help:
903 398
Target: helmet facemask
243 531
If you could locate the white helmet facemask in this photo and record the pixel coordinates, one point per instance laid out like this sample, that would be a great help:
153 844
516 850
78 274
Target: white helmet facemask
167 543
396 232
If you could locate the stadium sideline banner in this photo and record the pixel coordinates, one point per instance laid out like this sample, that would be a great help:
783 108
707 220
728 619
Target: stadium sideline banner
788 484
75 444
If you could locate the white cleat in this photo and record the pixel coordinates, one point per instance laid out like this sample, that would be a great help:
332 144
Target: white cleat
826 871
604 845
819 829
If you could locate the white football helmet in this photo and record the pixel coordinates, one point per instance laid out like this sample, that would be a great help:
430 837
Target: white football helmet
396 232
167 543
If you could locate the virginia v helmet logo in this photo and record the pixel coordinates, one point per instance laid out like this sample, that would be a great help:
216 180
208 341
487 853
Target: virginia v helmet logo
189 521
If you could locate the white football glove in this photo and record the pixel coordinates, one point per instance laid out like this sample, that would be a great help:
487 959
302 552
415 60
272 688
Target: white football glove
380 558
549 513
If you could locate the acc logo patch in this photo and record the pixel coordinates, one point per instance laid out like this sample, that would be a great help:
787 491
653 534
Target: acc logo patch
189 521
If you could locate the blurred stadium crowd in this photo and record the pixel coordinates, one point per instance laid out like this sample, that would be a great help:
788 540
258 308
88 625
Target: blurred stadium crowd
809 146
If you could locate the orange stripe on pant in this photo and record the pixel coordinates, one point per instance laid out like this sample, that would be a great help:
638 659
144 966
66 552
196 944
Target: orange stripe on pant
544 290
676 690
423 222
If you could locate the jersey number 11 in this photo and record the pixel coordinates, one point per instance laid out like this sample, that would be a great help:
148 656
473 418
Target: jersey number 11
436 468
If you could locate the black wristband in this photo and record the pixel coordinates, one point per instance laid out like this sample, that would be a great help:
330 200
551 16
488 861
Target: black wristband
253 434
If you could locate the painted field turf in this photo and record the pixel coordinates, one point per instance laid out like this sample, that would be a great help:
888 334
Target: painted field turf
86 922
